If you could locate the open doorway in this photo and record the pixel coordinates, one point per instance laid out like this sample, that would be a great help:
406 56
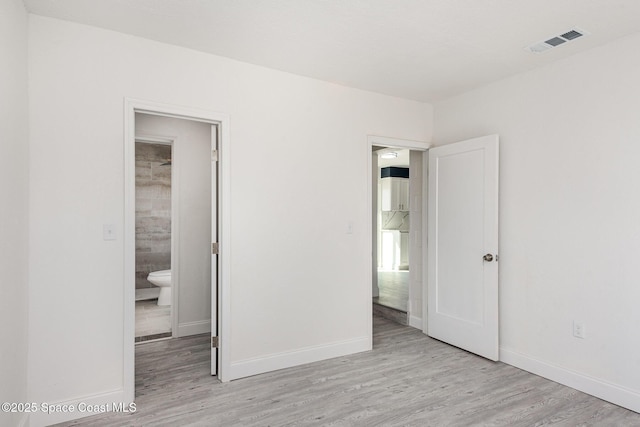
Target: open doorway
393 218
199 212
398 237
153 231
175 211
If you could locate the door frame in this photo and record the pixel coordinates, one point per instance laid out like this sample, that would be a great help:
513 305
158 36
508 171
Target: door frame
400 144
131 107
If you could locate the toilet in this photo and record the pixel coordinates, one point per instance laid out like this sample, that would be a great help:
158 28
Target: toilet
162 279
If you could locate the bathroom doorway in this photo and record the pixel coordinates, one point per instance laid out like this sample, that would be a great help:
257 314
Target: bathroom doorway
200 228
175 200
153 224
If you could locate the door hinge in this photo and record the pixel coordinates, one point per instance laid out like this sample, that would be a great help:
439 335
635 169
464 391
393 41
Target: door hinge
214 155
214 248
214 342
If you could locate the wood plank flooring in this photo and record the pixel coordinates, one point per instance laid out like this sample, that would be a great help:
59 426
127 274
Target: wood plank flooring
390 313
394 289
408 379
151 318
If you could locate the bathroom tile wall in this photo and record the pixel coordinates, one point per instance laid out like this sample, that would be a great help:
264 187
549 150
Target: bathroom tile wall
153 211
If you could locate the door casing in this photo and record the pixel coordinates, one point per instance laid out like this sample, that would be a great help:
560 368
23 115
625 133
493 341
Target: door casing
221 120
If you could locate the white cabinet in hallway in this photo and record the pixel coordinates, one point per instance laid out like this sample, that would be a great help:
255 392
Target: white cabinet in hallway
394 194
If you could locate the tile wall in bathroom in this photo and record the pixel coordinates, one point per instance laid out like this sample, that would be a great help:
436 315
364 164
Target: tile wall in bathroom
153 210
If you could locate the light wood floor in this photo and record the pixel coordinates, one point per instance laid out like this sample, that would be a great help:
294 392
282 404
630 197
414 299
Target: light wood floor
151 318
394 289
407 380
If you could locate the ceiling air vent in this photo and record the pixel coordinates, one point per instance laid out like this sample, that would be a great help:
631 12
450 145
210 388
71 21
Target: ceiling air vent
555 41
573 34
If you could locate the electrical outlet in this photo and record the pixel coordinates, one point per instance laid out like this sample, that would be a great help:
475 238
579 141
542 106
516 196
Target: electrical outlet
578 330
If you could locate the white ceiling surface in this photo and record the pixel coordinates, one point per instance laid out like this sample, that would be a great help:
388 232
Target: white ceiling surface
425 50
401 161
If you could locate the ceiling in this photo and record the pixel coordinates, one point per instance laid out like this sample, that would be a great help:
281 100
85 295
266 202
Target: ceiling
425 50
402 159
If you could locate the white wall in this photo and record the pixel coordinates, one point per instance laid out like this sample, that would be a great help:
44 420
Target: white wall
570 210
14 193
192 194
299 287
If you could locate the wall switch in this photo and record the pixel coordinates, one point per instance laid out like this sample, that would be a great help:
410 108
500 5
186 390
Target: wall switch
349 227
578 330
109 232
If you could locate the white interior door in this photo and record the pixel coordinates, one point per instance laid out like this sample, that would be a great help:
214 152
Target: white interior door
214 249
462 287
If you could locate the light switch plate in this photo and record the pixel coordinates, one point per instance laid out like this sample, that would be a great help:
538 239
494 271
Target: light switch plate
109 232
349 227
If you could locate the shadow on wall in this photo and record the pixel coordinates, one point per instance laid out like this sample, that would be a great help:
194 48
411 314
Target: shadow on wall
153 210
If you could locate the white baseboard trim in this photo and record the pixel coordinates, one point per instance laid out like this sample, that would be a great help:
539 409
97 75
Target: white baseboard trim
273 362
82 407
415 322
604 390
194 328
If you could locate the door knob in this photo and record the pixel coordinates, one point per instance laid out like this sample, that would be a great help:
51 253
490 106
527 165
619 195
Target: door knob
488 257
